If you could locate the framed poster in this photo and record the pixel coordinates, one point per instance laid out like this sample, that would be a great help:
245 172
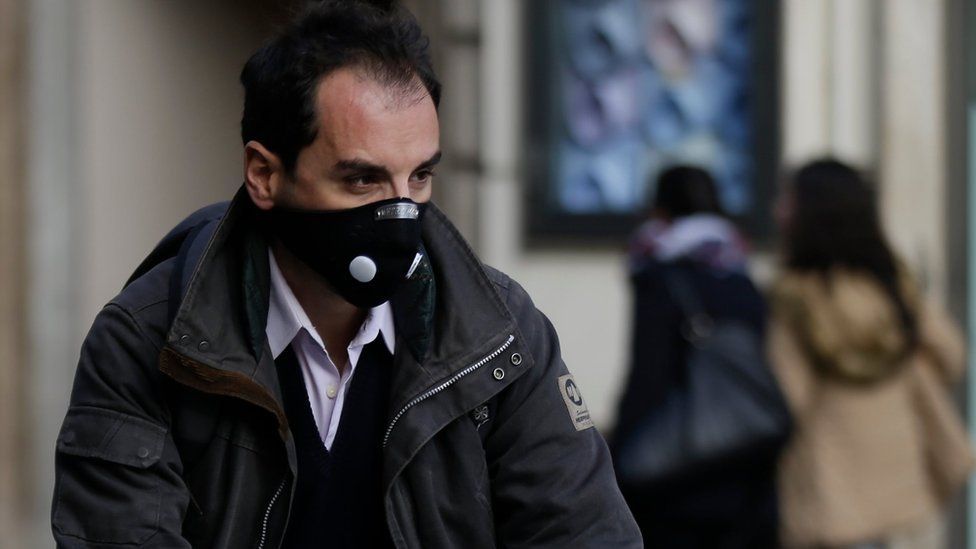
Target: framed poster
619 90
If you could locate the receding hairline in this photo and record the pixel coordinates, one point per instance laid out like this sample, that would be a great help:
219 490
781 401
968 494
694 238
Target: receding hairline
401 91
402 82
400 94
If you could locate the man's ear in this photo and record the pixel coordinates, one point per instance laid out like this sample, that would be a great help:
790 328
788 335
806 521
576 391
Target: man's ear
264 174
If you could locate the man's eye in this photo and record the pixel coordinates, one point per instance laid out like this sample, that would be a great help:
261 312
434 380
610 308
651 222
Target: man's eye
361 180
423 176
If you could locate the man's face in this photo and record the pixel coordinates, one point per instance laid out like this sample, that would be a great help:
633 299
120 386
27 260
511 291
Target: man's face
374 142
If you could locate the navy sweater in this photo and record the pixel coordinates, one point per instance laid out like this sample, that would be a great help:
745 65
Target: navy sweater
338 497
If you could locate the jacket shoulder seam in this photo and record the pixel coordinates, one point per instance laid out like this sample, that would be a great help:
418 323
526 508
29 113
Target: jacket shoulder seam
135 322
498 279
145 291
151 304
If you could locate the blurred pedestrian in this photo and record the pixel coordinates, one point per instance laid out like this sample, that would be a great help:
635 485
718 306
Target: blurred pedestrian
864 360
689 255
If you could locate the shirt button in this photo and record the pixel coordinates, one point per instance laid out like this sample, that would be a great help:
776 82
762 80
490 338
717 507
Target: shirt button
331 391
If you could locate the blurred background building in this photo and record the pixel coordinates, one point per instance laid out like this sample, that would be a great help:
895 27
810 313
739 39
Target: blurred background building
119 117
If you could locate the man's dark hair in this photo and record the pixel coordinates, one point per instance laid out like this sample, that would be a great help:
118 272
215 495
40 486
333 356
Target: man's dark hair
280 80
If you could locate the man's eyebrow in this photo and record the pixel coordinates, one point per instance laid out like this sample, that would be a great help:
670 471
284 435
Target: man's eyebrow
358 165
430 162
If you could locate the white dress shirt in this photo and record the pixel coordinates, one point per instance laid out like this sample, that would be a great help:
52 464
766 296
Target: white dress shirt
289 325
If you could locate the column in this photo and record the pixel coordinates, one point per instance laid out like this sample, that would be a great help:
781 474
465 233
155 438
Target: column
12 280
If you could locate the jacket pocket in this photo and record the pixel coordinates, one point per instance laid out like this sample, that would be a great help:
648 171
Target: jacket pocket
106 490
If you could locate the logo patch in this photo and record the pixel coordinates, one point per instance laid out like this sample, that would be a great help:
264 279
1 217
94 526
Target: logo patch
578 411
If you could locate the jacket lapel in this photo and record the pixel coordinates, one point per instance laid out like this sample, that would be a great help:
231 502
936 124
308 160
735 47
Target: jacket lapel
469 324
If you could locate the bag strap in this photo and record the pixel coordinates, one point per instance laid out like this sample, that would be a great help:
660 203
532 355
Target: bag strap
684 294
698 323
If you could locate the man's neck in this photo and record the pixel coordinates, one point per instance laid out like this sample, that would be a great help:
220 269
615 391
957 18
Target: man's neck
336 320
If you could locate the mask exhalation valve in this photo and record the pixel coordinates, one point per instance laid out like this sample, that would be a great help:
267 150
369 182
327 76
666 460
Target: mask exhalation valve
362 268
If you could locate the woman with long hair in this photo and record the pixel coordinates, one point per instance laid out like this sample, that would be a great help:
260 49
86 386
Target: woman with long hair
864 361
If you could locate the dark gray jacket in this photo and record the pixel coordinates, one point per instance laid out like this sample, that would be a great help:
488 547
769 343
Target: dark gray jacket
176 435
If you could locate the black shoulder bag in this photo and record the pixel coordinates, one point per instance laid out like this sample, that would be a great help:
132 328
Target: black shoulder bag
729 408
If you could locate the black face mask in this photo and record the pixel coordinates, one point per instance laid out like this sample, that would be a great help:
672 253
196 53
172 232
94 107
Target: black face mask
365 253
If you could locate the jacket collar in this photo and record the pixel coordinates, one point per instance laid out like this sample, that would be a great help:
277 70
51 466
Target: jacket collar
217 341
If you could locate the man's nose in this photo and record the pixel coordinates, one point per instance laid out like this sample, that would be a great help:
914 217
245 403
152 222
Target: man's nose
401 188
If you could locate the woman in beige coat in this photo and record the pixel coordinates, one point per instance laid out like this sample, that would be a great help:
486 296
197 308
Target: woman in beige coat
864 361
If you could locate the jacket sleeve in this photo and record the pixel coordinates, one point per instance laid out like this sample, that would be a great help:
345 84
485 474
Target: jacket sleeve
118 475
941 341
552 480
791 366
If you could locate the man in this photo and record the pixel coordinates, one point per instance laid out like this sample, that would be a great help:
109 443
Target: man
324 362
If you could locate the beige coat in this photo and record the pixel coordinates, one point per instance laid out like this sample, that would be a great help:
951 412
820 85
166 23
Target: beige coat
878 445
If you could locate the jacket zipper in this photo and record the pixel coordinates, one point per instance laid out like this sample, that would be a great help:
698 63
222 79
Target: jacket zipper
267 513
454 379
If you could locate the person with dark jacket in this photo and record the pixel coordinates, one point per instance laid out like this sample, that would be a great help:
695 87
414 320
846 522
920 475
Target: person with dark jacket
687 238
324 361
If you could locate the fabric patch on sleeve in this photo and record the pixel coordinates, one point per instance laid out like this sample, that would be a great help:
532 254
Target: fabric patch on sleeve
578 412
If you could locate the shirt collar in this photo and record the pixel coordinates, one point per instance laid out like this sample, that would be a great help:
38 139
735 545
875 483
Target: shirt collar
286 318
